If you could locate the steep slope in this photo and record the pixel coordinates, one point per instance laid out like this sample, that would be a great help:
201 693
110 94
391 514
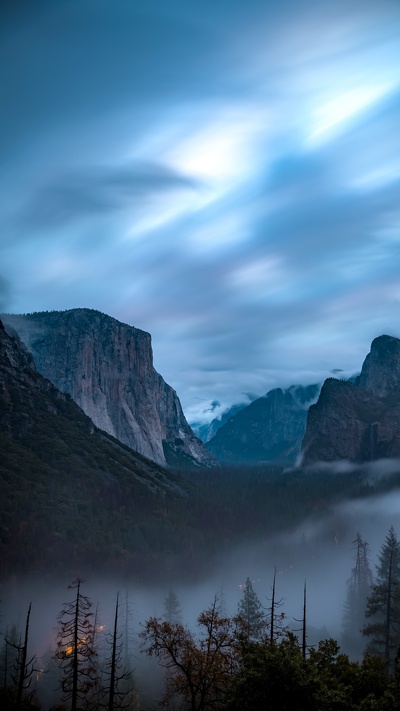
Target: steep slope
71 494
269 429
358 421
107 368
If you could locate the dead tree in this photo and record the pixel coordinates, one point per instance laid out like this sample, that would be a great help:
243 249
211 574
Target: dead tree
75 650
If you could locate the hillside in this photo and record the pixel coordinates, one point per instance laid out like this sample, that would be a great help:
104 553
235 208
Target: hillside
269 429
107 368
71 494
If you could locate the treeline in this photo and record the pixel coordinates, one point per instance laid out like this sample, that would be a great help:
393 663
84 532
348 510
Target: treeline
58 517
256 659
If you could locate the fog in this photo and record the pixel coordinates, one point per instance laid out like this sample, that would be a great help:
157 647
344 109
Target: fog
318 551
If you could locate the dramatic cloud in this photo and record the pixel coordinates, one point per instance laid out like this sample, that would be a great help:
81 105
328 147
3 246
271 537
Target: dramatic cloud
224 176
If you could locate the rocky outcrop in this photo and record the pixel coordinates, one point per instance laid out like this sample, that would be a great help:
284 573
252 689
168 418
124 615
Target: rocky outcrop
380 373
41 426
269 429
358 421
107 368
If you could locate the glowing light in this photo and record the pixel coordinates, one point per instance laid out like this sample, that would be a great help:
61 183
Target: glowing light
333 113
225 149
69 649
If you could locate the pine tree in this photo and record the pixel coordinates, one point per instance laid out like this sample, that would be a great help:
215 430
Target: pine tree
172 608
358 589
251 613
383 604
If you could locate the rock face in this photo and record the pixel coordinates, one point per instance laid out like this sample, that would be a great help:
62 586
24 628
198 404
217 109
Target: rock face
39 420
107 368
380 373
358 421
269 429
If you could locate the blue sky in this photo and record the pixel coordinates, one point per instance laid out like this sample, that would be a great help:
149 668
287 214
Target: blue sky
224 175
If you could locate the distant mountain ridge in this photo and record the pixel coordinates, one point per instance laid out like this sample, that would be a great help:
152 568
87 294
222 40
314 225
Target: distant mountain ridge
107 368
206 431
271 428
358 421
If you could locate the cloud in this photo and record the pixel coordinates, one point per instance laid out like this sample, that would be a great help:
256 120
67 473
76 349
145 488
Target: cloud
101 190
156 165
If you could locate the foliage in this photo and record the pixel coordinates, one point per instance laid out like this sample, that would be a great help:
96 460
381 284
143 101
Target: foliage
251 613
199 668
383 604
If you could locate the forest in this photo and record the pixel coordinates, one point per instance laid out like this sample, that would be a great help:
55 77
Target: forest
255 657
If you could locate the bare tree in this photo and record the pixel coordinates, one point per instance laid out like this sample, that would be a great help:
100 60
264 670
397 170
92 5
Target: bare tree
117 679
303 628
23 668
75 650
276 619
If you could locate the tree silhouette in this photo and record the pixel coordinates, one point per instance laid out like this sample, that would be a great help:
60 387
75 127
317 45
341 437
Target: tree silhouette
358 589
22 670
117 679
383 604
75 650
172 608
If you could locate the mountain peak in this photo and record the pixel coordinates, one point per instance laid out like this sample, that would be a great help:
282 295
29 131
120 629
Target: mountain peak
107 367
380 373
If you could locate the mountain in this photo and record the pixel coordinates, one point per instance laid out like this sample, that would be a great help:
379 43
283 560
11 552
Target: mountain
72 495
269 429
107 368
358 421
207 430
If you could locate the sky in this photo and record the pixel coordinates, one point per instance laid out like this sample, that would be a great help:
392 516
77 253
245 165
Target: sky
224 175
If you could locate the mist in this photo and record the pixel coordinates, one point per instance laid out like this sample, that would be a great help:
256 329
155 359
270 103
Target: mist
318 551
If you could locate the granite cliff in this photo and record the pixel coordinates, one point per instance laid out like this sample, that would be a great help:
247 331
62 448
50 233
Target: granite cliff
269 429
46 425
107 368
358 421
